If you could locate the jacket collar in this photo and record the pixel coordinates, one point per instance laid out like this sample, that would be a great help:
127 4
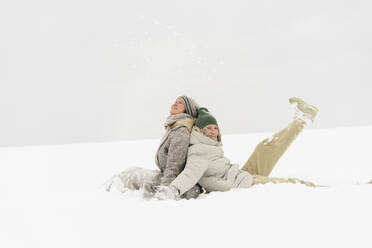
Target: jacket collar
197 137
174 118
188 123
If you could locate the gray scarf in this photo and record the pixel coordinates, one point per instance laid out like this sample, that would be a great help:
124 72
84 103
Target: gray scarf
171 120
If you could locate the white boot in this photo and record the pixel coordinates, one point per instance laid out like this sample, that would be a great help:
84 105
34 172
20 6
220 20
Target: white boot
115 183
303 110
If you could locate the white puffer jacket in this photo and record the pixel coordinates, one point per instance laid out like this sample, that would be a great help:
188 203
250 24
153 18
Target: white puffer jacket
207 166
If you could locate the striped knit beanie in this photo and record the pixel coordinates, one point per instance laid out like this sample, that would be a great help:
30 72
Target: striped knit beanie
191 106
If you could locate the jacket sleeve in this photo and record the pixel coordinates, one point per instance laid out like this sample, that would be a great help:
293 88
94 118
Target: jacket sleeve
215 184
195 168
177 152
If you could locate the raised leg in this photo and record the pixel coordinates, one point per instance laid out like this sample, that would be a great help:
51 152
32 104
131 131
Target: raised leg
269 151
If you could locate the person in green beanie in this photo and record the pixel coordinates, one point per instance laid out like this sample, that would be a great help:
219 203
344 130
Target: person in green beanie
207 165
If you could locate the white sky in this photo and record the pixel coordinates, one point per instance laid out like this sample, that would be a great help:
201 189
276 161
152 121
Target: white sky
81 71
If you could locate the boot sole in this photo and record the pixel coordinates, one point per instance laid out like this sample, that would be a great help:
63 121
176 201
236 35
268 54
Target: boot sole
304 106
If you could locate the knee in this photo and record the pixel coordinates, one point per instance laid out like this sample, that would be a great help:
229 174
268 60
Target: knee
264 144
269 141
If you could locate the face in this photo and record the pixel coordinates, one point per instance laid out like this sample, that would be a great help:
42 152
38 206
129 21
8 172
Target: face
211 131
177 107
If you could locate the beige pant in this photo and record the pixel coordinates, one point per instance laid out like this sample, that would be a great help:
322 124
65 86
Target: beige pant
268 152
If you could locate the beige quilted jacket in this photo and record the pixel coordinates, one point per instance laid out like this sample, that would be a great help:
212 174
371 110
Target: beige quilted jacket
207 165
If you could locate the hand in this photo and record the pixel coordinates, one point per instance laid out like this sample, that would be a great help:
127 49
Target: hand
149 190
167 193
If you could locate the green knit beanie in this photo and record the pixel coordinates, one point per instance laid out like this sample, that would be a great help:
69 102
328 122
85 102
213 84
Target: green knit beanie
205 118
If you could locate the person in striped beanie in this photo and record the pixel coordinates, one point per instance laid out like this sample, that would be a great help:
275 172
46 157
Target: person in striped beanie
170 156
185 104
172 152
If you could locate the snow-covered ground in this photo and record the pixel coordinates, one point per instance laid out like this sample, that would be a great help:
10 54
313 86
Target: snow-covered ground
52 196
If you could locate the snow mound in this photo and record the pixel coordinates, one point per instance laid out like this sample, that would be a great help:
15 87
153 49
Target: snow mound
53 196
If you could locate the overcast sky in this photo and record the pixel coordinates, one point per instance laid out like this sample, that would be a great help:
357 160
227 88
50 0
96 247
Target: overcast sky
91 71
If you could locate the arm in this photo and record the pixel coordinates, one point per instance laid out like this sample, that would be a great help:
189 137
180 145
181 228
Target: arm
215 184
177 152
195 168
